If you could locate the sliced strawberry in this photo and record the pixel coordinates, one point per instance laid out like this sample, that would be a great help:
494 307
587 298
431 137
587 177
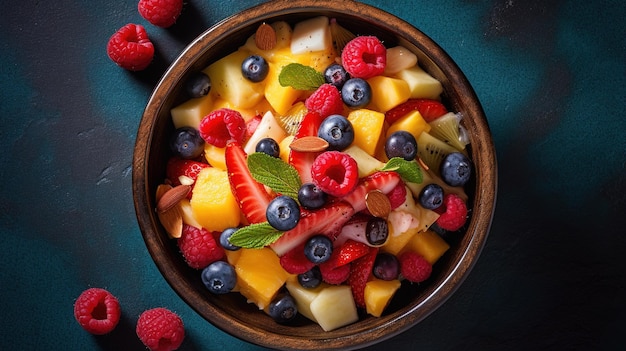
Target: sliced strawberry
251 195
251 126
350 251
177 167
295 262
428 108
331 272
326 220
302 161
383 181
360 271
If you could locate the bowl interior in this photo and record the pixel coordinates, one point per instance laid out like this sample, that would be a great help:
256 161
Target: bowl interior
230 312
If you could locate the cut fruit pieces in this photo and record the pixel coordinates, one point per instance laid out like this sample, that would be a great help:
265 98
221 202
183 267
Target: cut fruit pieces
448 129
432 150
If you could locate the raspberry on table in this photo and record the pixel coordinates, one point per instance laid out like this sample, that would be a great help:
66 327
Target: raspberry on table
161 13
222 125
455 214
364 57
199 247
414 267
336 173
97 311
130 47
326 101
160 329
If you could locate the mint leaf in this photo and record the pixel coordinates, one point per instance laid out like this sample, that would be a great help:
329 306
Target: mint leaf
410 171
300 77
255 236
275 173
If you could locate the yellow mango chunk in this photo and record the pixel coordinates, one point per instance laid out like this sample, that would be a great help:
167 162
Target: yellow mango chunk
279 97
212 202
284 148
368 127
428 244
413 122
259 275
387 93
191 112
396 243
215 156
229 84
378 294
421 84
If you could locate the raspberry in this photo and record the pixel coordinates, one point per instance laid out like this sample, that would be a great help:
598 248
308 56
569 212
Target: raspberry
331 272
455 213
177 167
130 47
161 13
295 262
199 247
160 329
326 101
97 311
221 126
336 173
364 57
414 267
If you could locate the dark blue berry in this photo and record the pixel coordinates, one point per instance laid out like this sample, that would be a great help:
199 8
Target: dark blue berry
283 308
318 249
401 144
376 231
310 279
386 266
311 197
337 131
187 143
431 196
268 146
456 169
336 75
219 277
356 92
283 213
255 68
198 85
225 239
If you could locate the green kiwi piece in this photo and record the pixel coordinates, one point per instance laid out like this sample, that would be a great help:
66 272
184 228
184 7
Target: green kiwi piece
291 120
432 151
447 128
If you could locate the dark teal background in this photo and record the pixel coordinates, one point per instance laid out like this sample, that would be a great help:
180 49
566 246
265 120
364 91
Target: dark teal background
551 76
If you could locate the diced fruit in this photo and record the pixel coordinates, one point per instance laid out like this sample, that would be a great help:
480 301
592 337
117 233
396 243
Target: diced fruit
284 148
387 93
400 234
429 177
432 150
378 294
334 307
213 204
429 109
421 84
215 156
281 98
448 129
191 112
260 275
398 59
412 123
188 217
267 128
368 127
304 296
366 163
311 35
428 244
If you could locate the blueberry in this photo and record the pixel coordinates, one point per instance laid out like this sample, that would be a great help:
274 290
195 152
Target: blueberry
311 278
386 266
336 75
283 213
219 277
431 196
337 131
187 143
311 197
268 146
255 68
356 92
401 144
225 239
283 308
456 169
318 249
198 85
376 231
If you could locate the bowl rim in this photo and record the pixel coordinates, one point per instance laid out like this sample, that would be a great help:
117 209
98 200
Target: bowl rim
482 211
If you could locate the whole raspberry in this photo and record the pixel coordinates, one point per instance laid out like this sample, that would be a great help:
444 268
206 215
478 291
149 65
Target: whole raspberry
455 213
160 329
221 126
199 247
336 173
97 311
161 13
364 57
414 267
326 101
130 47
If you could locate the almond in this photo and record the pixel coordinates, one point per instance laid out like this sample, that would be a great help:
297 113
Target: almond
265 38
378 203
172 197
172 218
309 144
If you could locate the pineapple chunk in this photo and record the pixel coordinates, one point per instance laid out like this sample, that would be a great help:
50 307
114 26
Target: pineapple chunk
378 294
428 244
387 93
212 202
259 275
421 84
304 296
413 122
334 307
187 212
366 163
191 112
311 35
267 128
368 127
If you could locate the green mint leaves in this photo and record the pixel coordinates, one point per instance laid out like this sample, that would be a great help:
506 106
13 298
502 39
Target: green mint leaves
300 77
275 173
410 171
255 236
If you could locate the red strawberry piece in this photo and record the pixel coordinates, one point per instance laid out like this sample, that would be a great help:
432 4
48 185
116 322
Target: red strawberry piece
336 173
360 271
428 108
326 220
251 195
161 13
454 213
326 101
295 262
177 167
350 251
97 311
198 247
414 267
251 126
302 161
160 329
364 57
130 47
383 181
332 273
221 126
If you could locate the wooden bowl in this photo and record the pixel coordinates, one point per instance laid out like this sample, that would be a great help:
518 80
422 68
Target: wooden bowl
230 312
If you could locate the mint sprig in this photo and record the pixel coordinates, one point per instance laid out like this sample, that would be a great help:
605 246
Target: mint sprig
255 236
410 171
300 77
275 173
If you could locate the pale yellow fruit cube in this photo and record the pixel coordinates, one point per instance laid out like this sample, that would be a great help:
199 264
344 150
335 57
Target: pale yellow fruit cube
212 202
303 296
421 84
334 307
191 112
378 294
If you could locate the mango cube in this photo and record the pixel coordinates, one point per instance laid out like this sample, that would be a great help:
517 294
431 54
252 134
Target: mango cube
212 202
378 294
428 244
368 127
259 275
280 98
215 156
413 122
421 84
387 93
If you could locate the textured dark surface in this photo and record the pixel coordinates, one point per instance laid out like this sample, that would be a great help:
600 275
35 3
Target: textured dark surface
551 77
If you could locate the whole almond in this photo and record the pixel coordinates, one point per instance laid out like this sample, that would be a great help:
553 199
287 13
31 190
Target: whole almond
172 197
309 144
265 38
171 219
377 203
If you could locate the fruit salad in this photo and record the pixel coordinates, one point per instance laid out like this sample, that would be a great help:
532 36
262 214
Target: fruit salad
314 172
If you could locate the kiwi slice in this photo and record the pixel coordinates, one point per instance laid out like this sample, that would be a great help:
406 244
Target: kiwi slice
291 120
341 36
448 129
432 150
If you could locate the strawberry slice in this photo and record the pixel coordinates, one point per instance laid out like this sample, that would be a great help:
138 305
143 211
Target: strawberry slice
360 271
302 161
333 273
251 195
326 220
251 126
383 181
350 251
177 167
428 108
